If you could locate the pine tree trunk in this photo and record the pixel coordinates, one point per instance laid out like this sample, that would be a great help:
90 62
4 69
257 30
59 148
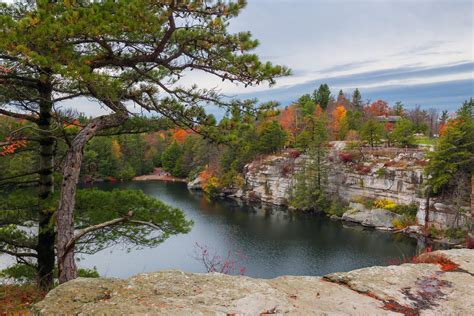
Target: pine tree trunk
46 234
71 171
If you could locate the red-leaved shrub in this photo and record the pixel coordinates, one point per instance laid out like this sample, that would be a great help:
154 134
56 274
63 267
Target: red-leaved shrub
294 153
346 157
286 169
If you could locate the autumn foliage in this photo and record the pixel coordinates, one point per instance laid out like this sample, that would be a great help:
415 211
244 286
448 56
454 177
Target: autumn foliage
116 149
444 127
205 175
339 114
288 119
12 146
180 135
17 299
378 108
436 258
73 124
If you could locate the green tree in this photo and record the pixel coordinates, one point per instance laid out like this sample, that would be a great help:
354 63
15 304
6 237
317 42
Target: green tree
126 172
340 97
452 162
307 105
354 120
357 99
271 137
134 148
171 156
321 96
240 140
403 133
444 117
309 191
399 109
99 159
113 52
372 132
419 118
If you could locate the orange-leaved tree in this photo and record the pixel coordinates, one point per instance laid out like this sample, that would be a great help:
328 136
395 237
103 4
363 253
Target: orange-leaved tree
377 108
339 122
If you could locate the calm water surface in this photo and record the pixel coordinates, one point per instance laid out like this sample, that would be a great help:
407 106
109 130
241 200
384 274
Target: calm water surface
274 241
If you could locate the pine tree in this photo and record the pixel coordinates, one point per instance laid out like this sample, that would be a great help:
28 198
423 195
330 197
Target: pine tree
403 133
171 156
452 162
116 53
308 192
399 108
271 137
371 132
357 99
322 95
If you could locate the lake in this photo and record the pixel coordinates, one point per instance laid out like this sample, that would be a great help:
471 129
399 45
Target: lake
272 241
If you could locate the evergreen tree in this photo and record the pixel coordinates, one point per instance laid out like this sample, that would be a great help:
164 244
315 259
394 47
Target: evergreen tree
354 120
403 133
371 132
399 108
444 117
171 156
452 162
309 190
357 99
271 137
307 105
340 98
322 95
117 53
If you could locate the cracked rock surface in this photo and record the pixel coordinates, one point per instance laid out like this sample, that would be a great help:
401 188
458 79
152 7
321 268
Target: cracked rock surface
411 289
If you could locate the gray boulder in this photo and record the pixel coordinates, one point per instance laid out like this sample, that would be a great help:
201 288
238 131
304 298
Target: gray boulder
378 217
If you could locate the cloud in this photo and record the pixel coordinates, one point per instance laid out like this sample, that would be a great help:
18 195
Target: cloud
389 47
444 86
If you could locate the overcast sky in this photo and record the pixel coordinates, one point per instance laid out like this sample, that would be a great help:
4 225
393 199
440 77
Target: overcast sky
419 51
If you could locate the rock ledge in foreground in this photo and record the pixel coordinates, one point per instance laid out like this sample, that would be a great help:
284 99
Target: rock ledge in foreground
424 288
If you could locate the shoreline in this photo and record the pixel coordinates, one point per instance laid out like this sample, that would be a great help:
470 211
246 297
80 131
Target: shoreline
159 175
410 231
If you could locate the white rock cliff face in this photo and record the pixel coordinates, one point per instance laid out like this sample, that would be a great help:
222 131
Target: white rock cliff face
425 288
393 174
389 173
271 178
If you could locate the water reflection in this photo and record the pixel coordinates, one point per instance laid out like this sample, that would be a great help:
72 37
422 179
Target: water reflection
274 241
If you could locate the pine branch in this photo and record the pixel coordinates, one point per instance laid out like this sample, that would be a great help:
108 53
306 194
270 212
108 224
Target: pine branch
19 116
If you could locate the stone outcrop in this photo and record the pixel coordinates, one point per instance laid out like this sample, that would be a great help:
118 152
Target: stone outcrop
396 177
385 173
442 286
388 173
376 217
442 216
197 183
270 178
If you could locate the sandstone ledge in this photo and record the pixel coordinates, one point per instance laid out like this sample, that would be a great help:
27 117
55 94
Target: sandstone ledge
411 289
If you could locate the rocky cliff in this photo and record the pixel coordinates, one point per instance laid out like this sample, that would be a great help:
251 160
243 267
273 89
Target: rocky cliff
395 174
439 283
